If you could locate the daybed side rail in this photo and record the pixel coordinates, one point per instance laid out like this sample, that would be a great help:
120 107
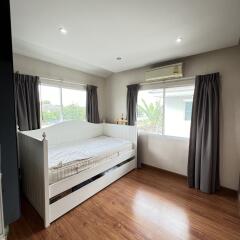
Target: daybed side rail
122 131
34 170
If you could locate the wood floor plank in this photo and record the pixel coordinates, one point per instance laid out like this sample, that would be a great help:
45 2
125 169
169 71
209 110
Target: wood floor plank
145 204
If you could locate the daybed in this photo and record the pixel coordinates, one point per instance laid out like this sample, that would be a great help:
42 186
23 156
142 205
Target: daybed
65 164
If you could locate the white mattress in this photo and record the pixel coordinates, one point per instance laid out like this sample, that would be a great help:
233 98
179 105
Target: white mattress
71 158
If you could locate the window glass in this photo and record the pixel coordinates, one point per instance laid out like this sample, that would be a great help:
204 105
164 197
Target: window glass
178 109
61 104
166 111
150 110
188 110
50 105
74 104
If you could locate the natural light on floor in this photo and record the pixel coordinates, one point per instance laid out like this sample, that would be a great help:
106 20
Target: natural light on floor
153 209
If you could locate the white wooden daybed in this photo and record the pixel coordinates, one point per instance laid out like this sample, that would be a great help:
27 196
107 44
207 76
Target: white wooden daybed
65 164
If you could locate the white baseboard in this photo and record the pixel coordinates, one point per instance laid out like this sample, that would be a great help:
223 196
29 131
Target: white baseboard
5 233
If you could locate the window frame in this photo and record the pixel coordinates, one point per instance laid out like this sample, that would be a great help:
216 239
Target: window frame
60 86
163 87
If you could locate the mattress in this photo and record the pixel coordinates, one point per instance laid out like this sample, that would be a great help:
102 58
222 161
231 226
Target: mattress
67 159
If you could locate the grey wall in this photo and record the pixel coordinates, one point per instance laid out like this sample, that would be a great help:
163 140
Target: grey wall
27 65
171 153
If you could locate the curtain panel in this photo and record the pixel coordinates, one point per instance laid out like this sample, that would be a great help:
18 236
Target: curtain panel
132 94
27 102
203 159
92 105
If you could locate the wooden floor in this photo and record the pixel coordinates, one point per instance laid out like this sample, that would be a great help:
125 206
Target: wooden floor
145 204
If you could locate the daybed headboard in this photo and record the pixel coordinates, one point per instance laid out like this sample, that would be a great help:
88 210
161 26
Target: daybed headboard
67 131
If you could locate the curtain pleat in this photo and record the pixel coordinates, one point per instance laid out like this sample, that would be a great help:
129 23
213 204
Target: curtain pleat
132 94
92 105
27 102
203 158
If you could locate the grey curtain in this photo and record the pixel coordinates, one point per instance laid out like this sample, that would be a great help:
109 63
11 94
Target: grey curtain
27 102
132 94
203 159
92 104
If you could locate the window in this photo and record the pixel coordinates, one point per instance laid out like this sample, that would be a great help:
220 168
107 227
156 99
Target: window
175 123
50 105
61 104
166 111
150 110
188 110
74 104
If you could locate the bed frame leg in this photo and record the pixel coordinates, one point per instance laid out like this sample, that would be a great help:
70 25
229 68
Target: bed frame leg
46 183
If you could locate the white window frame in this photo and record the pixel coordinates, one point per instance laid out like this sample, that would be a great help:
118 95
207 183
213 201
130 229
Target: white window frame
163 87
60 86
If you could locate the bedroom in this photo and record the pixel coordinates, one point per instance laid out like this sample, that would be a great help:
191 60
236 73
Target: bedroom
120 120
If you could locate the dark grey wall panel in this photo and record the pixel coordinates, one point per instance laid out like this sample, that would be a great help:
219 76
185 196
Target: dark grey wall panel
8 141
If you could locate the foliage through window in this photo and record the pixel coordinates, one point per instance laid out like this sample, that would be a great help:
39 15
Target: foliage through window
166 111
150 110
61 104
74 104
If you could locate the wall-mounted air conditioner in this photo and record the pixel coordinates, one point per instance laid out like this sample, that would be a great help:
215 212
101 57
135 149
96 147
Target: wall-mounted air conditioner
165 72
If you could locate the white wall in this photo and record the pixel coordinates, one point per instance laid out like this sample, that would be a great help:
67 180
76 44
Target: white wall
171 153
27 65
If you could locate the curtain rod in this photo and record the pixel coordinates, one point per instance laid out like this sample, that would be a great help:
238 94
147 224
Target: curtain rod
168 80
58 80
62 81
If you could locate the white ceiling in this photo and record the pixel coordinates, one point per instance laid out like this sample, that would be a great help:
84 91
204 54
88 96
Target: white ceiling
142 32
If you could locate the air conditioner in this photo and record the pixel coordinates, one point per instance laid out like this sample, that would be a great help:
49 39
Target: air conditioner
165 72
